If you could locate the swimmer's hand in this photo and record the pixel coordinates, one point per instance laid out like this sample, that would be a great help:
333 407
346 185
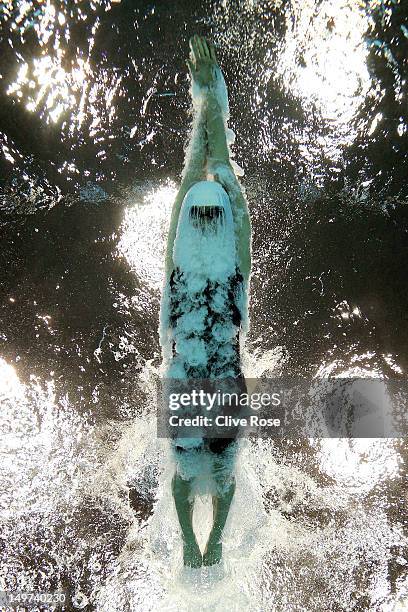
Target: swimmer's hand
203 62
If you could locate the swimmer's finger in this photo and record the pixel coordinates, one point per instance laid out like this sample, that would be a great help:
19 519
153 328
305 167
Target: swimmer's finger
205 47
194 51
200 47
199 50
212 52
190 66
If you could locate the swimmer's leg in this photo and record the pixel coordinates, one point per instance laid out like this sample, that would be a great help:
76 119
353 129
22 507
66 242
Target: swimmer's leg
221 506
181 491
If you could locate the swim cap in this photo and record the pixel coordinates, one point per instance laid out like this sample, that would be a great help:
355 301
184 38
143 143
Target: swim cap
207 253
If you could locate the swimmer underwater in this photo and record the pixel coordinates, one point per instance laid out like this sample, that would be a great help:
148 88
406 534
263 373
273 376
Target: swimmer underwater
205 298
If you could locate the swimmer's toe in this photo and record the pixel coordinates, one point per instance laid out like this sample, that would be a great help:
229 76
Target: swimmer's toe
192 555
212 554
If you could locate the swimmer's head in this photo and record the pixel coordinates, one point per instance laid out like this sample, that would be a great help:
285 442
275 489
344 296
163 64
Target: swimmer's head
206 205
205 240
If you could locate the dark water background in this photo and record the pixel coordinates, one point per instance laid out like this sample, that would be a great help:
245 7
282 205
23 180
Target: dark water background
94 114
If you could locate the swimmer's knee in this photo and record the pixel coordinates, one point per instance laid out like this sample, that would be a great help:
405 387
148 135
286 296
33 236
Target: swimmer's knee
225 483
179 484
231 484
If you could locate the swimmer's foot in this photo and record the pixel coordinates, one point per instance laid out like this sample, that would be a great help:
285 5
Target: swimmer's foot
213 553
192 554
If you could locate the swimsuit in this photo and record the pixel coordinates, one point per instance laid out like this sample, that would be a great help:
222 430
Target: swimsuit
205 327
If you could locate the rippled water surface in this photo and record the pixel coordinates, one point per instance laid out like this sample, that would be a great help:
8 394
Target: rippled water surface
94 114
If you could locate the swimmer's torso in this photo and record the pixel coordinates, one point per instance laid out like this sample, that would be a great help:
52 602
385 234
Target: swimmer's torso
204 301
205 320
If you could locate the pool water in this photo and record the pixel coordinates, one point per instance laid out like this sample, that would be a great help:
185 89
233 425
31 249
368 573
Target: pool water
94 115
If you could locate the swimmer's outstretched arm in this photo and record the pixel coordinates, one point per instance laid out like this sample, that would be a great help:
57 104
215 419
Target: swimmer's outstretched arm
194 170
219 158
204 71
208 149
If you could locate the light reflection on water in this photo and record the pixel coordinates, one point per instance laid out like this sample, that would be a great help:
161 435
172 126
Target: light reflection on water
143 234
323 59
45 84
42 446
359 464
